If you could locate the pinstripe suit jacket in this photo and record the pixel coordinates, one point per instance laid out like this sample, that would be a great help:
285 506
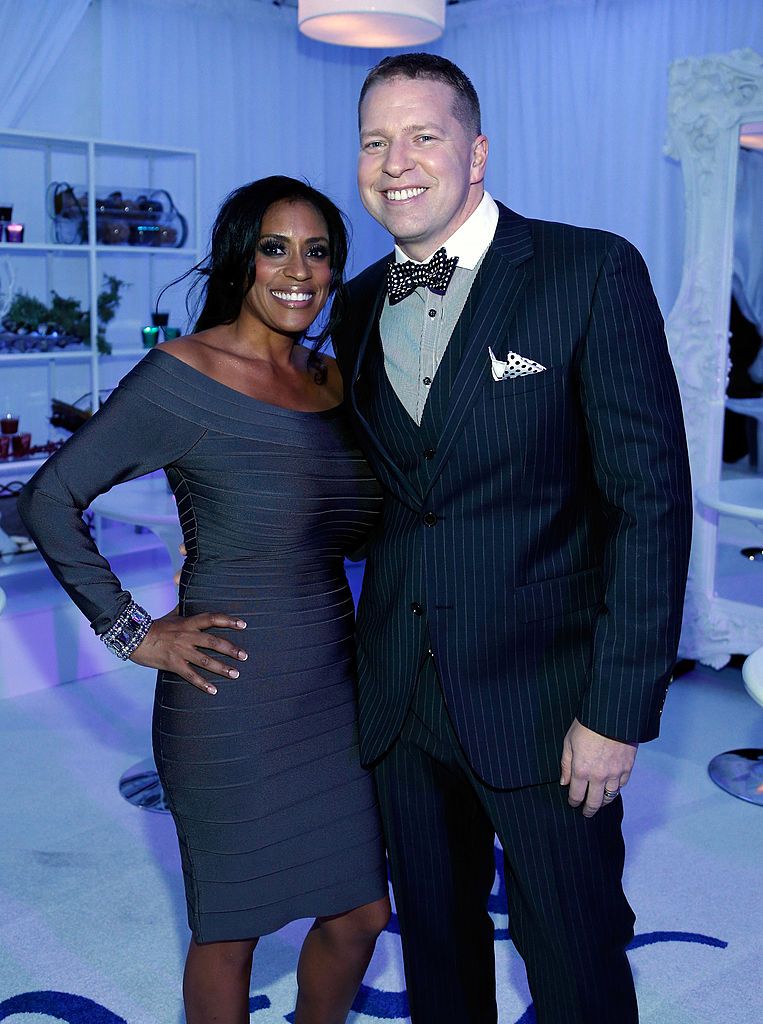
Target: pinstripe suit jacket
550 583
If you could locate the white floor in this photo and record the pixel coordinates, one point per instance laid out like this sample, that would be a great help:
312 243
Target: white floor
92 929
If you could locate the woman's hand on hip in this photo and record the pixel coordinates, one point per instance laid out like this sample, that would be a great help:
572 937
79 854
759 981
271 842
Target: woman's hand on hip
176 644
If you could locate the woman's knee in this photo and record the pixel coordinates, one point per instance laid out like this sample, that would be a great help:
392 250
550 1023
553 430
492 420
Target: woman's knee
230 955
376 916
363 924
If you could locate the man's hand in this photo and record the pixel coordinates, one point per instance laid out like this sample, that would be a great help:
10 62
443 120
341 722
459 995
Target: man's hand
595 767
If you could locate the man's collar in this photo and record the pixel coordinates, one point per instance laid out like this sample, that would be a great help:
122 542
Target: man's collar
471 240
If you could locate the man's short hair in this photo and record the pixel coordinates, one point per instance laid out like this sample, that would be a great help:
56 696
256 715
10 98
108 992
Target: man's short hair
466 104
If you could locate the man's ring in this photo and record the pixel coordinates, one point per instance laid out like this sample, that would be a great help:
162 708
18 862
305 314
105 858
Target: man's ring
609 795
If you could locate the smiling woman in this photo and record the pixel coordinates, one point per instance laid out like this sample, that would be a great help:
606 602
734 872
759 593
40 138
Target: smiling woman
277 255
255 733
250 227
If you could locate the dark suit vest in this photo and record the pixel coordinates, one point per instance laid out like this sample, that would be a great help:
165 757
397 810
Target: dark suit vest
414 446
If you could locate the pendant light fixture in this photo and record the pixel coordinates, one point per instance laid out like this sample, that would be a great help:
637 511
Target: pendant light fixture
382 23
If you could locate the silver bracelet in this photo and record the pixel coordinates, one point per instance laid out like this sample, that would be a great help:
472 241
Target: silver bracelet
128 631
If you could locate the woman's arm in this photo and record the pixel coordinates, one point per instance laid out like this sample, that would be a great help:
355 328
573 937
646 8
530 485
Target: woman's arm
134 433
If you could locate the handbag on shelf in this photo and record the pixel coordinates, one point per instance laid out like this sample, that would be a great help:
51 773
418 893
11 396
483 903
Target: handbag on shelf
70 416
142 217
67 416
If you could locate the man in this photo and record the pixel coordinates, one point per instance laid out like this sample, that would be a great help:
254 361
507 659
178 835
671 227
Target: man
521 607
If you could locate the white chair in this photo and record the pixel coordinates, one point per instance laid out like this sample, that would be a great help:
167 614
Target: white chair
752 675
740 772
742 498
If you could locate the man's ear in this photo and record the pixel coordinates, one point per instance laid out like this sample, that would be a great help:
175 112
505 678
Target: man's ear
479 159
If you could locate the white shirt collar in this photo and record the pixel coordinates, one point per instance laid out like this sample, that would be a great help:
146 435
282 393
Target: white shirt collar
471 240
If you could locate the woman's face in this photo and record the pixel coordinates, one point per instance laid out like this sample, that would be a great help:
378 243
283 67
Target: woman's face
292 270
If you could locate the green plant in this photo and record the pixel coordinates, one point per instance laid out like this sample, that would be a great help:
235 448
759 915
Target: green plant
25 309
68 314
107 305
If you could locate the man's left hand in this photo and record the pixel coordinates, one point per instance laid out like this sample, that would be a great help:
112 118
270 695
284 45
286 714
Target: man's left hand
595 767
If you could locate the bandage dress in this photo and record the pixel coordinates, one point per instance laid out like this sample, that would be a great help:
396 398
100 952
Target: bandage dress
276 818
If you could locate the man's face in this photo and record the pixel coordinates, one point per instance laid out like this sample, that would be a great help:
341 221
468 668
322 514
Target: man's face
419 172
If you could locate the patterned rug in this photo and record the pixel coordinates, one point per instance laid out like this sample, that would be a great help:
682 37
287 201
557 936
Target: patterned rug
93 916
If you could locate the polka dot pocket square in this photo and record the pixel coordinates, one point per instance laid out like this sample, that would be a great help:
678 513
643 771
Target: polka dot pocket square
513 366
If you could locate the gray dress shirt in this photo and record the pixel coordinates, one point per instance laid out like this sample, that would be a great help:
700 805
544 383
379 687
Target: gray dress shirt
415 332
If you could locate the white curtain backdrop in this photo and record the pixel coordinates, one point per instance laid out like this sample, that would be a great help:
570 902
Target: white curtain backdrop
33 37
574 97
236 81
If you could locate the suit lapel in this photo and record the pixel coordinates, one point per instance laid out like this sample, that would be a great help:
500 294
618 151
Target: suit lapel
496 293
366 379
492 302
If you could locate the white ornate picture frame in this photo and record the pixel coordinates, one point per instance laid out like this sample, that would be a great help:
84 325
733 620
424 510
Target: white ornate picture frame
710 99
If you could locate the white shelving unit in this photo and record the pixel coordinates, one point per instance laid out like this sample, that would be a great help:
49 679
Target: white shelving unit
40 264
28 164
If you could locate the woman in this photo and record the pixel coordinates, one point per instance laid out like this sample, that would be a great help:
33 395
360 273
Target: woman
258 755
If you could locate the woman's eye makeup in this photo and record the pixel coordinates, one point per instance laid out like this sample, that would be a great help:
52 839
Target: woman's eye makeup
275 247
270 247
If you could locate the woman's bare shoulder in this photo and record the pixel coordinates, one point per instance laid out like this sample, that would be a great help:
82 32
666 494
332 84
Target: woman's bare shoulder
195 349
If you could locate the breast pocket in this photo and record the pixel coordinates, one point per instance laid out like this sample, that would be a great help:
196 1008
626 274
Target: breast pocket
511 387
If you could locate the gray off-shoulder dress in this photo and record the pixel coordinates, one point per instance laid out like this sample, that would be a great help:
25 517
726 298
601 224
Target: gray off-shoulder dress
276 818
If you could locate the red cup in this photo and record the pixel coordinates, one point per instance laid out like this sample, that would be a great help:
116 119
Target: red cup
21 443
5 446
9 423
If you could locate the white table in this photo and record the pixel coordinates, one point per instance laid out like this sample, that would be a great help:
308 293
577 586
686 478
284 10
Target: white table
145 502
740 772
742 497
12 470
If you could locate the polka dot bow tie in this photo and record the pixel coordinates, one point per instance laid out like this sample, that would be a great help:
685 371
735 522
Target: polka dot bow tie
405 278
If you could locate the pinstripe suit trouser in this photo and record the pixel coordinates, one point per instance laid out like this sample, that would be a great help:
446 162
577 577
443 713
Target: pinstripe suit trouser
568 916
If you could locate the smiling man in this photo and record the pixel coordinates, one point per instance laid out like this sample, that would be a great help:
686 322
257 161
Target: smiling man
521 608
422 161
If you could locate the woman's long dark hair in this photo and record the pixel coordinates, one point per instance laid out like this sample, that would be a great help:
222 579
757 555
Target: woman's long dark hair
227 273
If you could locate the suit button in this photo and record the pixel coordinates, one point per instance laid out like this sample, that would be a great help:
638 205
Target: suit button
432 312
427 381
416 608
429 519
429 453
